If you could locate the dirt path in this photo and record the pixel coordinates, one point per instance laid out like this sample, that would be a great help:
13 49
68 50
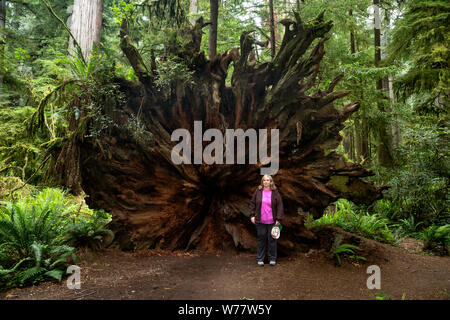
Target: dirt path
155 274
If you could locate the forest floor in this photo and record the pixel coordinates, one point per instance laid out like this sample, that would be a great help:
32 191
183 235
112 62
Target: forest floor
157 274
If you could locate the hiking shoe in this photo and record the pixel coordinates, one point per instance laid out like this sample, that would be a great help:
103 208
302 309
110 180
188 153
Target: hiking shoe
272 263
261 263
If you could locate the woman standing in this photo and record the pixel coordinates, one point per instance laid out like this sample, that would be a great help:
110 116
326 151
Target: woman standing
266 210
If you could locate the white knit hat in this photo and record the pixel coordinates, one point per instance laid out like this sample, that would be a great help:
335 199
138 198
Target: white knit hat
275 232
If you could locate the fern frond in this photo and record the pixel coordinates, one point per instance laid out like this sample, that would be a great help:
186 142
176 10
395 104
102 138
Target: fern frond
56 274
31 274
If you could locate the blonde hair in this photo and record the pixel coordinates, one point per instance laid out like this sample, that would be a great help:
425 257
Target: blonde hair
272 184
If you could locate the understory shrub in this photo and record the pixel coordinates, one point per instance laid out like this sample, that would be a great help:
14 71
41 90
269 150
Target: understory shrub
436 238
37 238
352 219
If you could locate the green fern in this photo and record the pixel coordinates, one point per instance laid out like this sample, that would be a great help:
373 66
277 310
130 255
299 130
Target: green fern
56 274
36 233
345 249
32 274
31 232
91 233
435 236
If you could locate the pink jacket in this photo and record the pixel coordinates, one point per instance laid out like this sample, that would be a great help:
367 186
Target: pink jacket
277 205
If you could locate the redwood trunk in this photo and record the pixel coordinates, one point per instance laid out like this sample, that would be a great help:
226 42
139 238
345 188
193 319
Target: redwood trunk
272 29
384 136
2 38
86 25
214 16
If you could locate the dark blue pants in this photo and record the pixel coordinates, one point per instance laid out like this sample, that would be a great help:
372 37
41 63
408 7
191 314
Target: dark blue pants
265 240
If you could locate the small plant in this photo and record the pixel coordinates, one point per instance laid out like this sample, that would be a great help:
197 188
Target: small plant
357 220
91 233
436 236
380 296
344 249
307 217
37 234
172 71
409 226
32 246
46 261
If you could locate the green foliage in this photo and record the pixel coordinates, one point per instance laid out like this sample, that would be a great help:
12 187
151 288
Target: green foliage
420 182
352 219
171 71
435 236
409 226
30 236
123 10
88 97
340 250
38 234
346 249
381 296
138 130
82 70
13 188
422 37
87 101
91 232
19 156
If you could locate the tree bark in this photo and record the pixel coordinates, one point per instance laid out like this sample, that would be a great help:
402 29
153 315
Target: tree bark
2 39
352 36
160 204
384 137
193 8
361 137
272 29
86 25
2 17
358 150
214 17
394 130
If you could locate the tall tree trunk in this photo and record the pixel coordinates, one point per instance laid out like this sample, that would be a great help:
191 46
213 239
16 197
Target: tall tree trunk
352 36
349 145
395 129
2 39
388 83
86 25
384 136
358 150
214 17
365 146
272 30
361 142
193 8
346 142
356 127
377 38
2 14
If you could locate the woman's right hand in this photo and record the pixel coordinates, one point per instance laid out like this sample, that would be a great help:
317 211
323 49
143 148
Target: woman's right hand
253 220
